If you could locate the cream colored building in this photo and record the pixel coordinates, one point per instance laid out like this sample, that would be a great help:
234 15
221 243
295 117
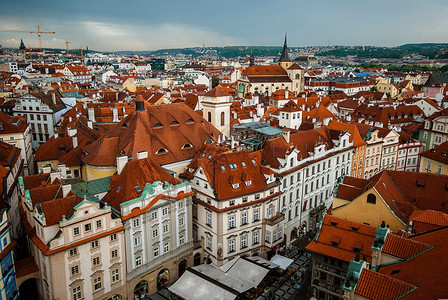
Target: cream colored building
77 243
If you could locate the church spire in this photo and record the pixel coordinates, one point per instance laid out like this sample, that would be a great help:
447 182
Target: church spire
285 57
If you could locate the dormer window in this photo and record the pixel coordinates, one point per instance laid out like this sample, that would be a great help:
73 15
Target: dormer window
235 186
187 146
157 125
248 183
161 151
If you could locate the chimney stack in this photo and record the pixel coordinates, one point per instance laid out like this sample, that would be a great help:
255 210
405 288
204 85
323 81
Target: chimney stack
90 124
75 141
121 163
53 97
142 154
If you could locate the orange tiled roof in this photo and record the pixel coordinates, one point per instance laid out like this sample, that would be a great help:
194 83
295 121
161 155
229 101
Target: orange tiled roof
338 239
164 131
373 285
225 168
402 247
136 173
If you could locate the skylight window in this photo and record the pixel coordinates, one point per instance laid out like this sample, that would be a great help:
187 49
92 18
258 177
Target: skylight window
203 155
223 168
232 166
254 162
243 163
138 188
209 156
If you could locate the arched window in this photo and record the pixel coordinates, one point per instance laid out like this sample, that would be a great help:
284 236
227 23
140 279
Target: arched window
209 116
223 117
371 198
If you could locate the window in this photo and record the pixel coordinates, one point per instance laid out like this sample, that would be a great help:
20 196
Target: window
94 244
231 222
166 248
181 240
114 253
76 292
137 241
113 237
97 283
164 211
231 246
209 117
156 251
428 165
232 202
155 233
115 275
439 169
98 224
243 218
243 242
181 221
256 214
76 231
255 237
257 197
371 198
96 261
165 228
75 270
209 242
181 205
223 118
209 219
244 199
154 215
135 222
138 261
73 251
267 237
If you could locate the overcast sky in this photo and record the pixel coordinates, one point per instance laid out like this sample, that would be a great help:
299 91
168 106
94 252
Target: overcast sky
154 24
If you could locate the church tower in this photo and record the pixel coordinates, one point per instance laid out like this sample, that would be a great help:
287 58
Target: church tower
285 62
22 49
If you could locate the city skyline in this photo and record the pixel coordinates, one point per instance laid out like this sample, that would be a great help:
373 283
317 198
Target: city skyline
139 26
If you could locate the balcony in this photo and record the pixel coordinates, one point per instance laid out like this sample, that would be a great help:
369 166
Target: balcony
279 217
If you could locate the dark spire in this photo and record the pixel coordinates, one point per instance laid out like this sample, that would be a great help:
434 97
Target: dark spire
22 45
252 59
285 56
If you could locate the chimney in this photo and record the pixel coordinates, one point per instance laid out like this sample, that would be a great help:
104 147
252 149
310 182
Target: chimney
54 175
121 163
286 94
115 114
63 169
72 131
91 112
66 189
286 135
75 141
56 135
116 96
53 97
90 124
142 154
70 119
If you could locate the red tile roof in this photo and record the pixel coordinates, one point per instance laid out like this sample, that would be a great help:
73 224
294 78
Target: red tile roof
55 210
225 168
340 231
373 285
129 184
427 271
402 247
164 131
270 70
438 153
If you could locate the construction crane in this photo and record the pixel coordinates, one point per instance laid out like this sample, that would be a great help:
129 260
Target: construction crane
82 55
67 43
39 36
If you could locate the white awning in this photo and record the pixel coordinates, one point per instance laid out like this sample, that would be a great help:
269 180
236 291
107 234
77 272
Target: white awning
282 261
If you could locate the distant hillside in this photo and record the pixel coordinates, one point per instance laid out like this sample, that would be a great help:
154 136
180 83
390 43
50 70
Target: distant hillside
430 50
